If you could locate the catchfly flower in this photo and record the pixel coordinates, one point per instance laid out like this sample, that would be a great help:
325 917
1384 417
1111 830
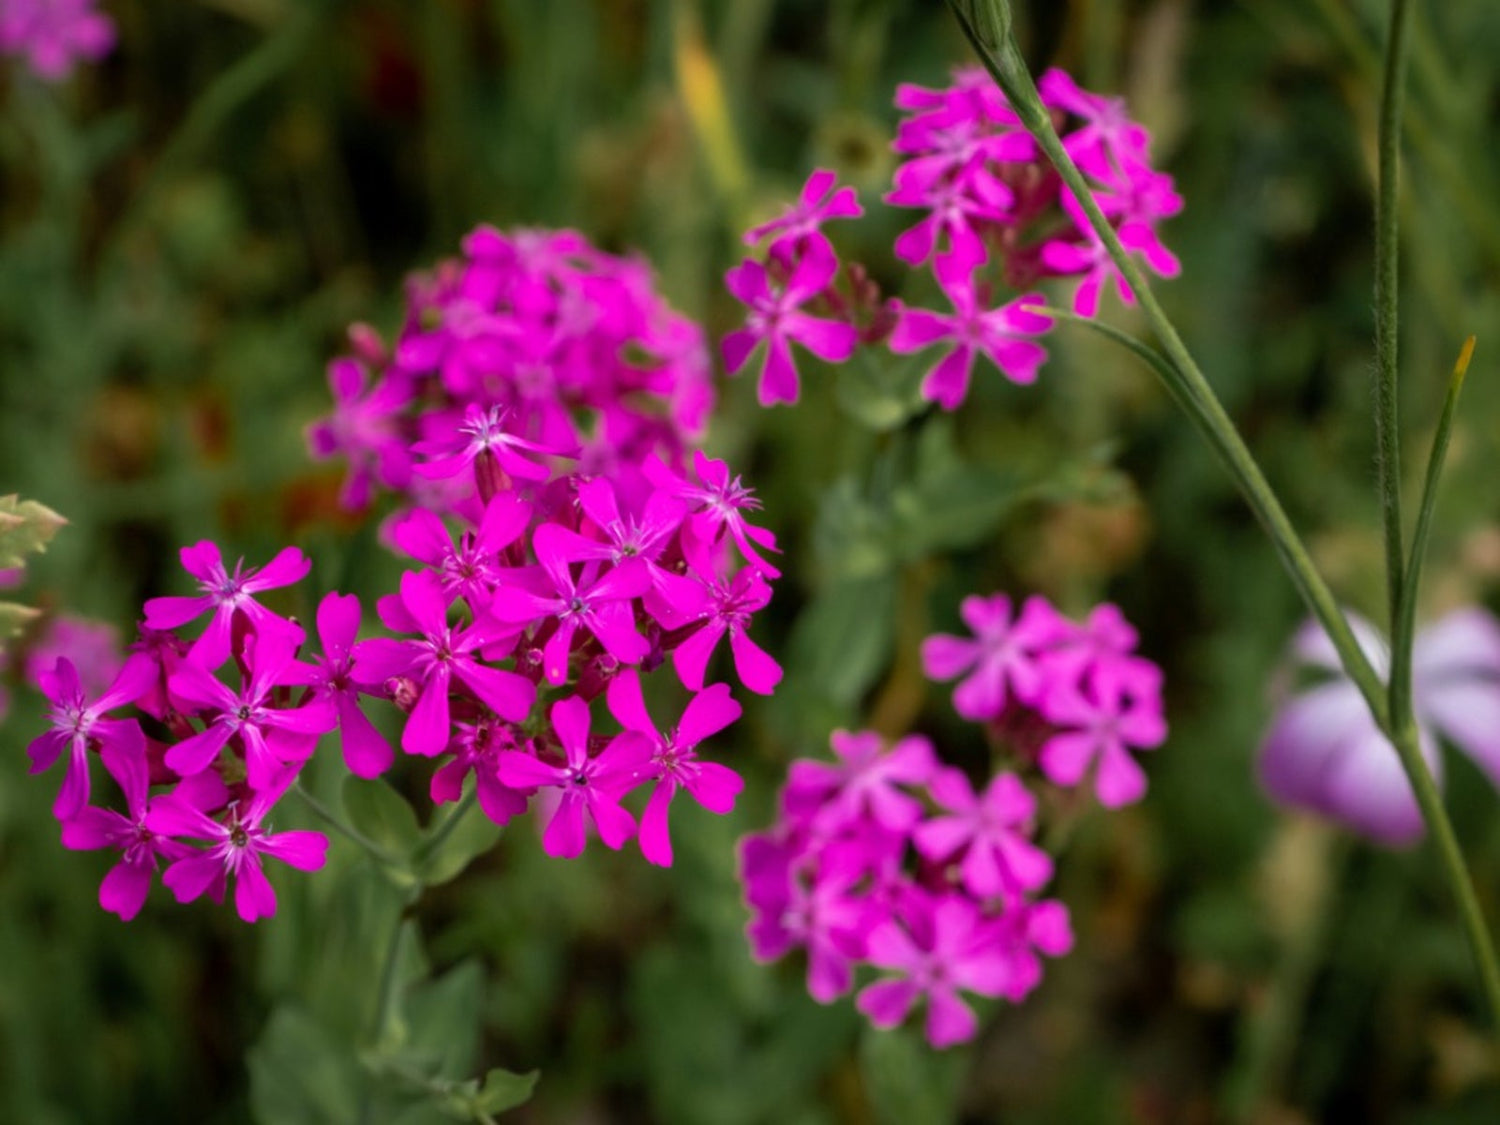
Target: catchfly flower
534 424
994 222
891 858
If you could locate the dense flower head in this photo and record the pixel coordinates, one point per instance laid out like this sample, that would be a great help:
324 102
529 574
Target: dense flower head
1324 753
52 35
889 857
1078 690
533 422
995 220
532 350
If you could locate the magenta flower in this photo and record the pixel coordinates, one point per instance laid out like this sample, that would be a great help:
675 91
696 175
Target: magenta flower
442 654
993 833
1001 660
1325 753
1000 333
54 34
128 882
645 532
92 647
961 208
365 427
335 683
592 785
944 946
864 783
1108 138
731 605
821 914
271 737
484 433
477 748
674 758
79 725
1102 721
471 568
599 603
236 847
776 318
227 594
718 505
821 200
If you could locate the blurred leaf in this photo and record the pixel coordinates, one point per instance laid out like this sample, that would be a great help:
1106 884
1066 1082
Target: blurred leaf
879 390
504 1090
14 617
442 1022
381 814
26 527
843 638
949 504
474 835
299 1075
907 1079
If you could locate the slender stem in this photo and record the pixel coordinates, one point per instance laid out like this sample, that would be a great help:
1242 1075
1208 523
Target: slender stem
439 837
1403 630
1003 59
348 831
385 1000
1387 412
1009 70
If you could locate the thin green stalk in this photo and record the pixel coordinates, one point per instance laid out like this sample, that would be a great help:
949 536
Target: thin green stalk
440 836
986 23
1387 297
385 999
1405 627
1003 59
348 831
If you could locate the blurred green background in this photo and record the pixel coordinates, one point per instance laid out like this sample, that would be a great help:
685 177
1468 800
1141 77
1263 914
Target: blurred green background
187 229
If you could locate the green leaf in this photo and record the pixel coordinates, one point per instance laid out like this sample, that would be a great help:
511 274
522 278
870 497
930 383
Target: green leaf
881 391
442 1021
300 1075
380 813
909 1080
474 835
948 503
843 639
504 1090
26 527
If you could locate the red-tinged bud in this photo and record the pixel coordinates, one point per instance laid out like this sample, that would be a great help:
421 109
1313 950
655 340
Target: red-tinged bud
403 692
489 477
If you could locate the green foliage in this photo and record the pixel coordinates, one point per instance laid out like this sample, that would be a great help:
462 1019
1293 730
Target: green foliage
188 229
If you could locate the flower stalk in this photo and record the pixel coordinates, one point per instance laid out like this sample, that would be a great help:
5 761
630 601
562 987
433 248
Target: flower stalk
1188 385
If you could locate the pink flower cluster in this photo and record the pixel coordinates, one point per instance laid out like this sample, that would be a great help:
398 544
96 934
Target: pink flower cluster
534 343
890 858
1079 692
54 34
994 211
533 416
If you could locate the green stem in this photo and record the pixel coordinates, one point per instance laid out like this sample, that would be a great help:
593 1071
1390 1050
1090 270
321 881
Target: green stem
1404 628
1002 57
385 1000
1387 296
433 843
1009 69
348 831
